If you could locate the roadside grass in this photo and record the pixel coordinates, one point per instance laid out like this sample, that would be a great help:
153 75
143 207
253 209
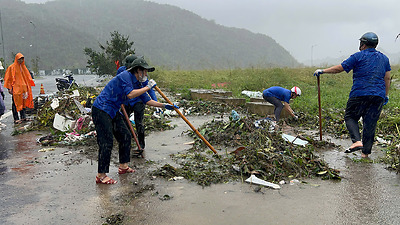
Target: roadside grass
334 88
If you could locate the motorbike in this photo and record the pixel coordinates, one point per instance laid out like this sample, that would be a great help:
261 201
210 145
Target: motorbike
66 83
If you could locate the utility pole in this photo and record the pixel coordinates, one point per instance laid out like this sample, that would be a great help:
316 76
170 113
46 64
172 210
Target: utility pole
312 49
2 41
36 59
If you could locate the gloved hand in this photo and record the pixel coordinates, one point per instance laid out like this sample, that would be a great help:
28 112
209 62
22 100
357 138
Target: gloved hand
171 107
386 100
2 94
159 111
151 84
318 72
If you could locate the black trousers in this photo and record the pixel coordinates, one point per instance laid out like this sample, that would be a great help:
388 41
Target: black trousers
15 113
138 110
369 108
106 128
278 106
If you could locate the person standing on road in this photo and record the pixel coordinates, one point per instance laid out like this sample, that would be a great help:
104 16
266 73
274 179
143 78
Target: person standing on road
2 105
19 83
109 121
275 95
369 93
136 105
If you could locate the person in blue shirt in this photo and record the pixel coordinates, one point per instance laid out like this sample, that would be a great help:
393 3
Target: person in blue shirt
136 106
276 95
109 121
369 93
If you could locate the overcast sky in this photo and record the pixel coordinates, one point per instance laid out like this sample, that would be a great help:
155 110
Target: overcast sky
308 29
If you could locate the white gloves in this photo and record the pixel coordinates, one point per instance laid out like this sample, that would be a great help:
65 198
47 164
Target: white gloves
318 72
151 84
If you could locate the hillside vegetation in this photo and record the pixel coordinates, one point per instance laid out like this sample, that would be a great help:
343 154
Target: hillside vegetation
58 31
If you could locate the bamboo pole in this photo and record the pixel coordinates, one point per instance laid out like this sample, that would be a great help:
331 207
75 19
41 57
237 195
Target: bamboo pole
187 121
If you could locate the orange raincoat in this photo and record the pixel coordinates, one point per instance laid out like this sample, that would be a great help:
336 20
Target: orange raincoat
19 80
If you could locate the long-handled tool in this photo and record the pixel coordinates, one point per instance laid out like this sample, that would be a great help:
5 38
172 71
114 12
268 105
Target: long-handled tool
187 121
140 153
319 105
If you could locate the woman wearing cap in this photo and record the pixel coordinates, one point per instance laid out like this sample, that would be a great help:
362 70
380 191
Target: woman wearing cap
275 95
109 121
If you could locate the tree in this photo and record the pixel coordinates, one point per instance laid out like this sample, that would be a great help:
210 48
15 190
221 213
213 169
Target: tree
117 49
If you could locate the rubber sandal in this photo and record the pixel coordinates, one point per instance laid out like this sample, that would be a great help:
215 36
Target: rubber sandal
101 180
350 150
123 171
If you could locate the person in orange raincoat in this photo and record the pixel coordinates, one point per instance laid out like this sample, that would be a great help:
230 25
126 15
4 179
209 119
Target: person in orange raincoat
18 81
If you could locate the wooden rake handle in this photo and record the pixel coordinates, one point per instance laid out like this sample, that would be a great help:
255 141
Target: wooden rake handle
187 121
130 126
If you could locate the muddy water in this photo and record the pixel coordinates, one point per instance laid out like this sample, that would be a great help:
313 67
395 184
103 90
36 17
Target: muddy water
57 187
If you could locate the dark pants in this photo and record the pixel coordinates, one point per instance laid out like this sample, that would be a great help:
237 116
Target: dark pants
369 108
105 129
138 110
278 105
22 113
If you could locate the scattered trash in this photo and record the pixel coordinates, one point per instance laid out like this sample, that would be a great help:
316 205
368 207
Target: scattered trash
176 178
189 143
46 149
252 94
235 116
80 107
67 153
75 93
266 122
255 180
294 181
55 103
294 140
62 123
282 182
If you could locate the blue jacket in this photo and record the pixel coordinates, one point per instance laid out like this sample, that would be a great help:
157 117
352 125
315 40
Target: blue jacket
280 93
369 67
116 91
133 101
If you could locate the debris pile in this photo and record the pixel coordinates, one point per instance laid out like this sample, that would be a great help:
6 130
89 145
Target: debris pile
258 151
67 117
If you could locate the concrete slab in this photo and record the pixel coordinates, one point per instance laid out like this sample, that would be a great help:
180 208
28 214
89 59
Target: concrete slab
231 101
264 109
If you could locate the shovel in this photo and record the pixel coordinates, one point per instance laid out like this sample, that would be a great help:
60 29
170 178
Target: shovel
187 121
319 105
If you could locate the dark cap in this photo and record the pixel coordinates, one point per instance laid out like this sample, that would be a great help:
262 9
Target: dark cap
140 62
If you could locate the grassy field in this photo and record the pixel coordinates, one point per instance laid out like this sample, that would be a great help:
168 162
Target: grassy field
335 88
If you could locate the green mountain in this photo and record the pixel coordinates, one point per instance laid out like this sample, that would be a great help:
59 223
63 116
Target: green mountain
168 36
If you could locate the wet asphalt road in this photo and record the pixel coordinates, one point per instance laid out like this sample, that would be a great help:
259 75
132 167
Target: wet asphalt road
58 187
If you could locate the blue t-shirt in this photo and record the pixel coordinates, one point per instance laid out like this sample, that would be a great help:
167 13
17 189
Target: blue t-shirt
280 93
116 91
369 67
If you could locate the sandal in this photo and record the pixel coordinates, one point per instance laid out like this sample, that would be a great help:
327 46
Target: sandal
101 180
17 122
350 150
127 170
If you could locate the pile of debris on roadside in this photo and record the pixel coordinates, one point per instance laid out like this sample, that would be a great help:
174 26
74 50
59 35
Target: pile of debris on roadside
66 115
249 147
